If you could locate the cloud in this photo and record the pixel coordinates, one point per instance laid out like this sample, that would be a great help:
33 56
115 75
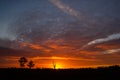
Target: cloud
102 40
5 34
60 58
74 12
66 8
32 47
12 52
111 51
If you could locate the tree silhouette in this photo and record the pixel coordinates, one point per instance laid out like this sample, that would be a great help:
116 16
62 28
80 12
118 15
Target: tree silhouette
22 62
31 64
54 65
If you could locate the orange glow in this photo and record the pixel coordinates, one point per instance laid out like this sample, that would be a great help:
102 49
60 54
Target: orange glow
62 58
108 46
33 46
60 62
59 66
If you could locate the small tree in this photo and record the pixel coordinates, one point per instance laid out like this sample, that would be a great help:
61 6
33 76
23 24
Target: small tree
30 64
54 65
22 62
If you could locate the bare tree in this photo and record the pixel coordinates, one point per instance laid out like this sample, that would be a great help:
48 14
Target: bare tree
54 65
30 64
22 62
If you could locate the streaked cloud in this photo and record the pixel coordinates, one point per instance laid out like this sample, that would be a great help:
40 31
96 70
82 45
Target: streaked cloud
102 40
62 58
66 8
111 51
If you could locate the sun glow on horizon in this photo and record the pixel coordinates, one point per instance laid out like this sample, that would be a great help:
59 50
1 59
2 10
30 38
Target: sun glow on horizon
59 66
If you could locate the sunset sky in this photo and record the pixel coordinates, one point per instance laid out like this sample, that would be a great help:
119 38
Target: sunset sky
72 33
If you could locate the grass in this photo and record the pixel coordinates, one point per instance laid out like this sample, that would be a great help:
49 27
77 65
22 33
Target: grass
100 73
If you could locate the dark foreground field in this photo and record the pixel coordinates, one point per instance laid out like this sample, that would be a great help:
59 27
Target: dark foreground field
102 73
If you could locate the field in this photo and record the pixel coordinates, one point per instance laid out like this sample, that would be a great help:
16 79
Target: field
100 73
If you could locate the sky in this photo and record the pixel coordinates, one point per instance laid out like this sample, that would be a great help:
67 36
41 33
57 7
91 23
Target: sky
72 33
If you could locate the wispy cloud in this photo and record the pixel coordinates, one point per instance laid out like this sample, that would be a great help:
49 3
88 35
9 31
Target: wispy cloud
111 51
66 8
5 34
101 40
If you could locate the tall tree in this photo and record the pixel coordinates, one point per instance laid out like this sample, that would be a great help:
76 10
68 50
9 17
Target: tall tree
31 64
22 61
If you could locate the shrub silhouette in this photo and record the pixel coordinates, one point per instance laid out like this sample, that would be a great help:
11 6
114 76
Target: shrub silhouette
22 62
30 64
